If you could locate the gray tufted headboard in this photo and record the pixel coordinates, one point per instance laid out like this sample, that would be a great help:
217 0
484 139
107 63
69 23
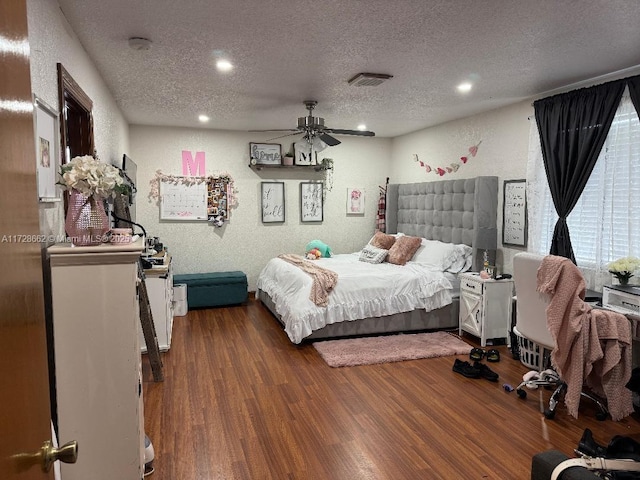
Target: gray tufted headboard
452 211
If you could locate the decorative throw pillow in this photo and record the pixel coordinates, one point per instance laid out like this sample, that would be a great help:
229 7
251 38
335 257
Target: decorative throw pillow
403 249
382 240
371 254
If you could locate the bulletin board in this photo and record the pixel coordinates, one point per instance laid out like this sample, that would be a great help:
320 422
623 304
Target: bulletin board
514 213
183 201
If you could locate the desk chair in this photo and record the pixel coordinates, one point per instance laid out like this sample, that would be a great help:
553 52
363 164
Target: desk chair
531 323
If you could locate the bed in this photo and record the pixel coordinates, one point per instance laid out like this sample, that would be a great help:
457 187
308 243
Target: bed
455 212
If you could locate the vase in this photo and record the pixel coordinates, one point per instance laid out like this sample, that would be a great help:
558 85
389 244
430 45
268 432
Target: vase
623 278
86 222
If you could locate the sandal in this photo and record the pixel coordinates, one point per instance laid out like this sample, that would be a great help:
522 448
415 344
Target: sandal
476 354
493 355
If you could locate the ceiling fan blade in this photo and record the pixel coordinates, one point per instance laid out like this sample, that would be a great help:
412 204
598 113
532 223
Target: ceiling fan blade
329 140
362 133
276 130
295 132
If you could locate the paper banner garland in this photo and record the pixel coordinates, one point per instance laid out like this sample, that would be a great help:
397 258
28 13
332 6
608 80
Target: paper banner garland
452 167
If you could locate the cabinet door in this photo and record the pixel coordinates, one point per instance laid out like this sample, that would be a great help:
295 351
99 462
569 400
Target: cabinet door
471 313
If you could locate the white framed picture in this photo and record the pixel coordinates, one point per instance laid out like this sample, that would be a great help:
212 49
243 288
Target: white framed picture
47 136
355 201
302 153
311 209
272 206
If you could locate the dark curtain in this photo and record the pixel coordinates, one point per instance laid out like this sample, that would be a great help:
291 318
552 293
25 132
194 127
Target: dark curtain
634 92
573 127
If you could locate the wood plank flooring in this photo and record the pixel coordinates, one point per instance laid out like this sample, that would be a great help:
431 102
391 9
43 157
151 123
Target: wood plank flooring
240 401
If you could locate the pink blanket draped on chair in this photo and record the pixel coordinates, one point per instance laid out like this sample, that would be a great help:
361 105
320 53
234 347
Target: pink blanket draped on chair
323 279
593 346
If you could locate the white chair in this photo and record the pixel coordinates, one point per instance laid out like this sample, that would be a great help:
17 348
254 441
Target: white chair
531 324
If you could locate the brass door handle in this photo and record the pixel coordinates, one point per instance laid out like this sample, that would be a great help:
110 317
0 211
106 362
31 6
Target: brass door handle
67 453
47 454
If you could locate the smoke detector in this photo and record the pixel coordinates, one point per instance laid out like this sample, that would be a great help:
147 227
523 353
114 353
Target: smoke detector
369 79
139 43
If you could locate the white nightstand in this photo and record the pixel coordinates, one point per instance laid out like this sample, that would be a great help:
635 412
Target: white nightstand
485 307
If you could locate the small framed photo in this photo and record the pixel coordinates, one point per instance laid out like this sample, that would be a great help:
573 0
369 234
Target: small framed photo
272 206
311 209
355 201
47 136
302 153
265 153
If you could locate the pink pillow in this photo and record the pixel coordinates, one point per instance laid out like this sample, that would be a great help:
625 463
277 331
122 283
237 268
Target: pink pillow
382 240
403 249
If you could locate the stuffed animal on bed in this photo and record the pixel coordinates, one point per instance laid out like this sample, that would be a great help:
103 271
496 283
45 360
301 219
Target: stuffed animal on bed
317 249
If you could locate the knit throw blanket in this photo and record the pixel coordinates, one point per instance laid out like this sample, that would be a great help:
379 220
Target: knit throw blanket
323 280
592 346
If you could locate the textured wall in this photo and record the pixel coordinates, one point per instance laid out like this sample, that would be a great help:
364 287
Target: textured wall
505 142
245 243
52 41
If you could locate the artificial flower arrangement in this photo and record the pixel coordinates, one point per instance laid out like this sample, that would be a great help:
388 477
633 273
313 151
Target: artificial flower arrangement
90 176
624 268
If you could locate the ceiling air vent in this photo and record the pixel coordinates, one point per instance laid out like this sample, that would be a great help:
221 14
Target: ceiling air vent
369 79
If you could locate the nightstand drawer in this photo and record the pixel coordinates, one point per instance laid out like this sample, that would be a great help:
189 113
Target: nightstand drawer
470 283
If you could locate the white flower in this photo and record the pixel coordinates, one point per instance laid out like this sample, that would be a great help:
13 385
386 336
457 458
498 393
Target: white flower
90 176
624 265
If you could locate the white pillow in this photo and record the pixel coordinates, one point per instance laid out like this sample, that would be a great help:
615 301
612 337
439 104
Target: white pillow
442 256
371 254
462 264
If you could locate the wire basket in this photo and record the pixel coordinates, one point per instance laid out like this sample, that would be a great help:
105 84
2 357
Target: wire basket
532 355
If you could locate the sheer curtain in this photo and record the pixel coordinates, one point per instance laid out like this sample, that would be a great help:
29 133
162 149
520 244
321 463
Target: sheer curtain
605 223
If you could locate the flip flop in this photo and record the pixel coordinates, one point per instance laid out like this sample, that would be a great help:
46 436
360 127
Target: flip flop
476 354
493 355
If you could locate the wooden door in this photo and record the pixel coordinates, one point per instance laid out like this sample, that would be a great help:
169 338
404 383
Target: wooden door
24 383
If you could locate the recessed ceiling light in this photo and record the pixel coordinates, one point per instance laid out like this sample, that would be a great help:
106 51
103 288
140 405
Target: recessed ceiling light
224 65
203 118
362 127
464 87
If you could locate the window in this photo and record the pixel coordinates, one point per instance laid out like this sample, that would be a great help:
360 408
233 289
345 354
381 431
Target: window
605 223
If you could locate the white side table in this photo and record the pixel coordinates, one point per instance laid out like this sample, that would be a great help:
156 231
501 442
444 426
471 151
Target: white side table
485 307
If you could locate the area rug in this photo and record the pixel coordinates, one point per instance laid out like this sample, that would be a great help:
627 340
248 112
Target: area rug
390 348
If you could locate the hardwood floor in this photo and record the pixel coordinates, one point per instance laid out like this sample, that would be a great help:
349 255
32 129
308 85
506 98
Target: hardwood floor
239 401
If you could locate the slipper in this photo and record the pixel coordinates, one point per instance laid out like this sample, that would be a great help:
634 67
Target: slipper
493 355
476 354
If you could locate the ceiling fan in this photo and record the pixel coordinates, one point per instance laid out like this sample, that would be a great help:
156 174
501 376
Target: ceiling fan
314 127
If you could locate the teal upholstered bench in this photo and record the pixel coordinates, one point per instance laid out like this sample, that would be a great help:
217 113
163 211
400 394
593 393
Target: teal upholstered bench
214 289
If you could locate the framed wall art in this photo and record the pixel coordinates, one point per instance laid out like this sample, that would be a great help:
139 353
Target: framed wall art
311 208
265 153
272 206
514 213
302 153
47 136
355 201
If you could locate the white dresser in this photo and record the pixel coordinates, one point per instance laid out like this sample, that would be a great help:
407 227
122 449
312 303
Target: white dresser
97 358
485 307
159 281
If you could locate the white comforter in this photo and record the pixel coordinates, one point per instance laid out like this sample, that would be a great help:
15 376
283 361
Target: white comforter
363 290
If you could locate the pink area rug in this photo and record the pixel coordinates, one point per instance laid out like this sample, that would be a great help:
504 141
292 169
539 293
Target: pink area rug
390 348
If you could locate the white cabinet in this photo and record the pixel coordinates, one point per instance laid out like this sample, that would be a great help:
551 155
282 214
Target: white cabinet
485 307
159 281
97 358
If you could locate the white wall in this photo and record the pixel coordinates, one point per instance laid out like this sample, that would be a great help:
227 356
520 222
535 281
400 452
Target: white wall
503 153
52 41
245 243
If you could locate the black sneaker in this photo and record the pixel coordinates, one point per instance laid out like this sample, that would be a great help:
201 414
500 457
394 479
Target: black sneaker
486 372
466 369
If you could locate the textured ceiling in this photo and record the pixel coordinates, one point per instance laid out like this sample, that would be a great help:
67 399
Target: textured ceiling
285 52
